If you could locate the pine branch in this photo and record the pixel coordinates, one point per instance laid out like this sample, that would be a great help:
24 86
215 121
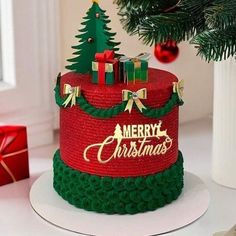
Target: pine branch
163 27
216 44
153 23
154 4
211 23
221 14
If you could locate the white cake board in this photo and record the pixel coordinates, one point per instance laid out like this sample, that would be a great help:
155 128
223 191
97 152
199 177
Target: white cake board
220 233
189 207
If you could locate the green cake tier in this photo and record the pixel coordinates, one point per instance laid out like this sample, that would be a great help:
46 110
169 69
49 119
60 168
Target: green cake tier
118 195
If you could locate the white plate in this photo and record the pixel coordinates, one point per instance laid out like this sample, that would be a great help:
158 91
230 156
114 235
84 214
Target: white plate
189 207
220 234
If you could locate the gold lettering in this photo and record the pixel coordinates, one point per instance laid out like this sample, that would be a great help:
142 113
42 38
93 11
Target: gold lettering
142 145
134 131
133 150
147 130
125 150
126 131
164 148
140 131
157 149
107 141
120 152
117 150
144 135
153 128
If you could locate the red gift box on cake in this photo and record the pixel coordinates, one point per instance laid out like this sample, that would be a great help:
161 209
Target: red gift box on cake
105 70
14 164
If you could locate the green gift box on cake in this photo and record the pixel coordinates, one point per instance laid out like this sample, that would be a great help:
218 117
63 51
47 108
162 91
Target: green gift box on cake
105 68
136 70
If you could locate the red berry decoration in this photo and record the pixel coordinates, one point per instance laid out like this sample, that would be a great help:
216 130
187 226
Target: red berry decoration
166 52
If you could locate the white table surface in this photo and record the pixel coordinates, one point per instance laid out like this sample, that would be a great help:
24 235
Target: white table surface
17 217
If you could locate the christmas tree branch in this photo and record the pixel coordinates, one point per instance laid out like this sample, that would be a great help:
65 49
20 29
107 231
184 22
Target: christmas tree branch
159 28
162 5
221 14
216 44
212 23
163 21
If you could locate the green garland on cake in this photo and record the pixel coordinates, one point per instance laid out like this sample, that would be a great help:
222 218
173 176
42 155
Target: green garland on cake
118 195
116 110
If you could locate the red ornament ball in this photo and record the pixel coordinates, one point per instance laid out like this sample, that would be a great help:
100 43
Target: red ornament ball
166 52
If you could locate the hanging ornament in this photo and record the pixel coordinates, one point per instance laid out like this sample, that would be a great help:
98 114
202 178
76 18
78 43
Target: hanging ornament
166 52
97 15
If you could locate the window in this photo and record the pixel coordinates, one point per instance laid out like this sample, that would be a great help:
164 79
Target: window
6 45
29 38
1 74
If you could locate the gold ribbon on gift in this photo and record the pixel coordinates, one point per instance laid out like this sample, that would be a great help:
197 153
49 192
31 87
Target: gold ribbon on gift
4 144
108 67
178 87
137 63
134 97
73 92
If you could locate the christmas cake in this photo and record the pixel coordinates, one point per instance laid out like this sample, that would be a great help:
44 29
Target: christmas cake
118 128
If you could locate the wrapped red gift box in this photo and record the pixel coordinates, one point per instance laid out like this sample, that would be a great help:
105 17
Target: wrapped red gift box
14 164
105 68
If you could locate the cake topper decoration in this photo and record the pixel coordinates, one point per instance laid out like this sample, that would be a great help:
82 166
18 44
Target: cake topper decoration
134 69
73 93
134 97
139 136
105 70
178 87
94 38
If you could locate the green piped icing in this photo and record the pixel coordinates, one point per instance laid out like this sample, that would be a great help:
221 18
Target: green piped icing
116 110
118 195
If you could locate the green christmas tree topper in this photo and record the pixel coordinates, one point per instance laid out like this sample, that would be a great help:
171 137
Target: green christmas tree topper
95 37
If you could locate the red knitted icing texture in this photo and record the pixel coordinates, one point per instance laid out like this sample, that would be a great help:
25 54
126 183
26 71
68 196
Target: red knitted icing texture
78 130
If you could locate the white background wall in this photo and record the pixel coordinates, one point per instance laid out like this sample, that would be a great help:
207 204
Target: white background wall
30 59
198 75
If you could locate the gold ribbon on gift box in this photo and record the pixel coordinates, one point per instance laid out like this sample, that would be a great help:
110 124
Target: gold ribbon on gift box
134 97
137 63
73 93
178 87
6 141
108 67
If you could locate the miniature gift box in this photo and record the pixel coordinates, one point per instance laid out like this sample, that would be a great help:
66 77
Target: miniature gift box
134 69
105 70
14 165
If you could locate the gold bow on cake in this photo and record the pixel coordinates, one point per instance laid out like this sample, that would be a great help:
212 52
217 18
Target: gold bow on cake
134 97
178 87
73 92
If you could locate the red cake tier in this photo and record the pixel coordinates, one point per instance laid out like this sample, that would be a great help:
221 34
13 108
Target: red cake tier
125 145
